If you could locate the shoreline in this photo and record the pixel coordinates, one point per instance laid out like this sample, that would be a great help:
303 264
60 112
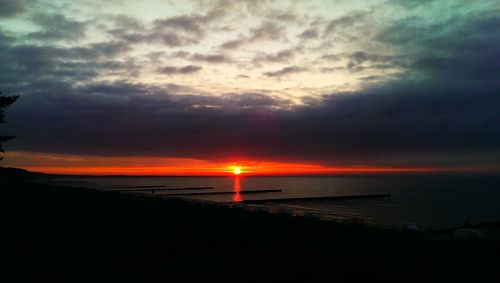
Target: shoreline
262 205
256 207
82 235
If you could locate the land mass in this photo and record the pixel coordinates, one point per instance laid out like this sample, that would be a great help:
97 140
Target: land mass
68 234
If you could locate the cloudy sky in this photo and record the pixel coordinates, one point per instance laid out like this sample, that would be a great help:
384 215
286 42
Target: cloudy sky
159 86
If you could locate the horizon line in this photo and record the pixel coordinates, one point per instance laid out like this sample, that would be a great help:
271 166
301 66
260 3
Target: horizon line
247 174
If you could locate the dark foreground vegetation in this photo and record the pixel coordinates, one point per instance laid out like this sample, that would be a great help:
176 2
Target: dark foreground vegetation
61 234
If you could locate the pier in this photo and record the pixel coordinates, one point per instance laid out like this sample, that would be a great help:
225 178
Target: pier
151 189
226 193
346 197
154 188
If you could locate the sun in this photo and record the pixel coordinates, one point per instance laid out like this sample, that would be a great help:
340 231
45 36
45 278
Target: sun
237 170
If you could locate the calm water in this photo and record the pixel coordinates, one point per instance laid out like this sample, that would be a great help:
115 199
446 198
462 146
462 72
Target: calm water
430 202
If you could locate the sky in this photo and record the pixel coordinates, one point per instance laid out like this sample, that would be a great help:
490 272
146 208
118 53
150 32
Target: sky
276 87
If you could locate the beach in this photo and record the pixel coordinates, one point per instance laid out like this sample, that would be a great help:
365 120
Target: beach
69 234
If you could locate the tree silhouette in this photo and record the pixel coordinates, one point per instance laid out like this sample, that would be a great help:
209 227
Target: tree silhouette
5 101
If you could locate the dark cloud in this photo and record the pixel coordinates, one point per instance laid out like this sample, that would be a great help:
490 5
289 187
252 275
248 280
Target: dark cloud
57 27
180 54
282 16
331 57
233 44
177 31
311 33
361 60
210 58
24 64
188 24
331 69
266 31
172 70
9 8
254 99
5 39
174 31
379 126
93 51
345 22
172 39
124 21
451 50
285 71
128 29
280 56
411 4
371 78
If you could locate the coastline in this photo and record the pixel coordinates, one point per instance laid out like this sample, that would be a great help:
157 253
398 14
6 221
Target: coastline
82 235
410 201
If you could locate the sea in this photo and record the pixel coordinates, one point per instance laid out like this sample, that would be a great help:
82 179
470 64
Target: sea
427 202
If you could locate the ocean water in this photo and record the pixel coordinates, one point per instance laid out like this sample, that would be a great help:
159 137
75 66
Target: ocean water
430 202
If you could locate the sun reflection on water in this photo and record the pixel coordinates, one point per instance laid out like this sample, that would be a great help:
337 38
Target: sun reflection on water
236 189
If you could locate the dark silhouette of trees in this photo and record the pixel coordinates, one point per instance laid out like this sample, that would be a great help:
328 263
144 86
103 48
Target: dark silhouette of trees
5 101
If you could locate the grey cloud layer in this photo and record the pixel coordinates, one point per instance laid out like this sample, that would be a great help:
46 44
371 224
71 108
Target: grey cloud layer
285 71
174 31
9 8
28 64
280 56
267 30
172 70
374 127
57 27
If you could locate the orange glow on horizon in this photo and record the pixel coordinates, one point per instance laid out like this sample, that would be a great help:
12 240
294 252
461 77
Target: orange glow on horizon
257 170
155 166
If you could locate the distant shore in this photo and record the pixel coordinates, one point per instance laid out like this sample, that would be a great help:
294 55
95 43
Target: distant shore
80 235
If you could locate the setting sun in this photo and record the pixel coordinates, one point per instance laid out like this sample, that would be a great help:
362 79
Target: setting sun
236 170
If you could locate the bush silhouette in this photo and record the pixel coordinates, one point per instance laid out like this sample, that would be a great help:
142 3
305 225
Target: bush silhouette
5 101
